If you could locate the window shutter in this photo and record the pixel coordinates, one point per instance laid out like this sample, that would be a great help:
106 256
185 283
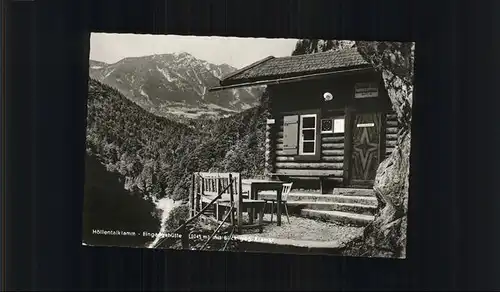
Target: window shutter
290 134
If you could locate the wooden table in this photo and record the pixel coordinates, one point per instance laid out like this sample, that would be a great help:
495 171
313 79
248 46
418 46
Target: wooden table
257 185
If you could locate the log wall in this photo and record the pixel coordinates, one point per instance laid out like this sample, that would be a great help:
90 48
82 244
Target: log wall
331 162
289 98
332 152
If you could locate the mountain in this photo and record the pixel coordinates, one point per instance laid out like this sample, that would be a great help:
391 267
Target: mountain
175 85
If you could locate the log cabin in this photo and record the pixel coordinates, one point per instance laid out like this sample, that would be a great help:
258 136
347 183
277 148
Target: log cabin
330 120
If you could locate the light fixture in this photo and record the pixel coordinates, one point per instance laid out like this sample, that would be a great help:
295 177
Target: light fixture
327 96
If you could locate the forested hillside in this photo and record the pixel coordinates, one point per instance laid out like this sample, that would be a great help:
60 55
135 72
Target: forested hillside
156 155
108 206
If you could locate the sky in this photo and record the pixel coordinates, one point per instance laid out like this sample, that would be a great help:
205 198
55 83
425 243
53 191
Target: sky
237 52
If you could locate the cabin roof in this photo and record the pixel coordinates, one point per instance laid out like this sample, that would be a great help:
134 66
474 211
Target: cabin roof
272 68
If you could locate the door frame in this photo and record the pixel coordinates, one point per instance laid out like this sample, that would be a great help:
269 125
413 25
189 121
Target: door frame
349 145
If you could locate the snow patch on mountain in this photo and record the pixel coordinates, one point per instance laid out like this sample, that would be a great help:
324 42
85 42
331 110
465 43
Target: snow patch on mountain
109 73
143 93
165 74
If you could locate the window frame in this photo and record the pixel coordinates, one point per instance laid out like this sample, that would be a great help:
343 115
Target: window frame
332 119
343 117
307 157
301 131
321 126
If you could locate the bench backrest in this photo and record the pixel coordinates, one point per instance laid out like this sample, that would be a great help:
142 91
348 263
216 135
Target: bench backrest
211 183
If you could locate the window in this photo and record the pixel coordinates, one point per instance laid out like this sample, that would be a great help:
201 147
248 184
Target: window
333 125
326 126
338 125
300 136
307 138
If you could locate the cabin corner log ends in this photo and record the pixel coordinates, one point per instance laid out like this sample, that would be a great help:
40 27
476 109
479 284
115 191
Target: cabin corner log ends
270 161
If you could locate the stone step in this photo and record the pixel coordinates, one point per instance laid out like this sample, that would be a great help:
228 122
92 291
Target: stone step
365 200
343 218
353 192
334 206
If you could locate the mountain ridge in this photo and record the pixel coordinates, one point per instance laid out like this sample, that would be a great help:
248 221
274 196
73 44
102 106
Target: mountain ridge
175 85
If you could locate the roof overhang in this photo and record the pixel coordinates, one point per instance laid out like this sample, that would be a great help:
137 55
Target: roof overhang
275 80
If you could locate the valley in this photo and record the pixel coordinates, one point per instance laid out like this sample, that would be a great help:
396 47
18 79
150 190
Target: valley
135 159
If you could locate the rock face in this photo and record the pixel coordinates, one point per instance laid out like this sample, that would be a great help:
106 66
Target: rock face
310 46
387 235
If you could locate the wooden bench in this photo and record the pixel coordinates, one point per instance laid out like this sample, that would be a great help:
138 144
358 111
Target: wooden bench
207 186
321 178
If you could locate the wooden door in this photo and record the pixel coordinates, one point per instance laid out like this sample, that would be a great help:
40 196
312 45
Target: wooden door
365 148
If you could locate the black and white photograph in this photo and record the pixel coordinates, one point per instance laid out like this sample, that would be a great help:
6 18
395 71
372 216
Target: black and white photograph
269 145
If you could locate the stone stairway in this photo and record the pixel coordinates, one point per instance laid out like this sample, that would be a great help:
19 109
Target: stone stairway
346 206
